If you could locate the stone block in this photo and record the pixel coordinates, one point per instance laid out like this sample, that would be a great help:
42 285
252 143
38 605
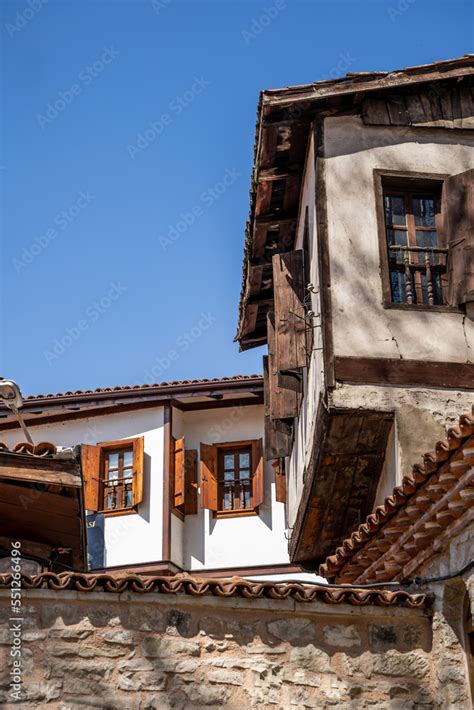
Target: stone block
311 658
121 637
413 664
225 677
341 636
291 629
157 647
142 680
207 694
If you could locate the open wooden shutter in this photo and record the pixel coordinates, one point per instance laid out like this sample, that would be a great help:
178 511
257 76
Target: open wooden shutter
280 481
190 482
90 458
277 443
138 460
290 322
460 216
284 403
258 486
178 469
209 473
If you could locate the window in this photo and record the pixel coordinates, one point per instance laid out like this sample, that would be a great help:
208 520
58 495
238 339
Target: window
113 475
235 483
417 261
232 477
117 479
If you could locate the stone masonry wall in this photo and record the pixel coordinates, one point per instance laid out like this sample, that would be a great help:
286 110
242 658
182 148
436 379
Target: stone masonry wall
100 650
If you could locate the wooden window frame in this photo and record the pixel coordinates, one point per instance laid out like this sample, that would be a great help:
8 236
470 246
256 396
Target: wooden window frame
112 446
221 449
406 181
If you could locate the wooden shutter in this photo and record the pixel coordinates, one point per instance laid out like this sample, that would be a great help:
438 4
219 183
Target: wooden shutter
460 216
178 470
90 458
190 482
258 481
280 481
209 473
138 460
284 403
277 443
290 322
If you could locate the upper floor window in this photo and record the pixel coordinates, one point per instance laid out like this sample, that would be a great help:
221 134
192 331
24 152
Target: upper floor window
232 477
117 479
113 475
426 239
417 259
235 479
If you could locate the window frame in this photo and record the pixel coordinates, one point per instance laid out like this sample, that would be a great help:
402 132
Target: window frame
222 448
407 181
105 448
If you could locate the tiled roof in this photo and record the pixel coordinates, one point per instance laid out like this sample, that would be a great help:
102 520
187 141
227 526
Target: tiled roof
43 449
432 503
234 587
146 387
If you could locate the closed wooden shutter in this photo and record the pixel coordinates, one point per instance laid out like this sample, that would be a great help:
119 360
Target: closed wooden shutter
258 485
280 481
284 403
460 217
190 482
209 473
290 322
277 443
90 458
138 460
178 468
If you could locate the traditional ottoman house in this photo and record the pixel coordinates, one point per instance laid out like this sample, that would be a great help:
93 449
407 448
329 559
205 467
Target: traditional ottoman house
205 499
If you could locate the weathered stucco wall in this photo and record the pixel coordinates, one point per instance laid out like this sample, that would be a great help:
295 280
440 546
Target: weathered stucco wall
313 376
421 419
137 651
362 327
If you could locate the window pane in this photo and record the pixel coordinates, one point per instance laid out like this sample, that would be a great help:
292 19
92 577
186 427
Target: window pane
113 459
128 457
398 283
244 460
229 461
110 501
396 237
112 475
127 472
429 239
395 209
424 211
227 498
246 497
228 475
128 498
244 474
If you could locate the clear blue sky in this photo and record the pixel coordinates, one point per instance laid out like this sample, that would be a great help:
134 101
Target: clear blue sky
124 120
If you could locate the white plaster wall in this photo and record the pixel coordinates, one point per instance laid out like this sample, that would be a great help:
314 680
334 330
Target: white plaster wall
128 538
362 327
313 377
241 541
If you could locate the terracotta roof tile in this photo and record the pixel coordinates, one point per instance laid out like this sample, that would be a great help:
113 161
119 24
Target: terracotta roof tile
144 387
43 449
234 587
408 510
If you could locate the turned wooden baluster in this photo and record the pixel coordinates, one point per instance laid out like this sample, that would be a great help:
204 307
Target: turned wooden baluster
429 282
408 286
